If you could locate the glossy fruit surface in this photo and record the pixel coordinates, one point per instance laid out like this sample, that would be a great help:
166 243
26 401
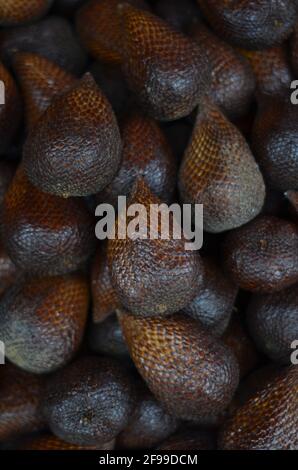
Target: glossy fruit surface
219 171
75 149
192 374
42 321
152 276
42 233
90 402
262 256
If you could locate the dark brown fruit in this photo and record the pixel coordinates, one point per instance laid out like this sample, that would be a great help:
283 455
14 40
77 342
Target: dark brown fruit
41 81
150 424
192 439
145 154
15 12
99 28
263 255
275 141
7 170
165 69
52 38
294 49
178 14
219 171
213 304
10 111
75 149
42 321
90 401
152 276
106 338
251 24
271 68
192 374
237 339
104 298
232 79
20 402
68 6
51 442
42 233
273 323
268 420
8 270
292 196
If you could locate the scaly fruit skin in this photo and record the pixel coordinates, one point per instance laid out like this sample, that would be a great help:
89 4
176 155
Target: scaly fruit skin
106 338
268 420
193 375
75 150
90 401
41 81
8 270
150 424
146 154
165 69
44 234
219 171
51 442
42 321
272 69
190 439
152 276
99 28
251 24
275 141
20 402
213 304
10 111
262 256
104 298
15 12
51 38
232 79
273 323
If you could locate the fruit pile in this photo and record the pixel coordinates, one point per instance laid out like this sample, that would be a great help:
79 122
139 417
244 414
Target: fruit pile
140 343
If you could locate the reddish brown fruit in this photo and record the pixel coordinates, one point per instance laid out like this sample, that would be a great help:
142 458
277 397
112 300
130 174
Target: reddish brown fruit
145 154
273 323
41 81
20 402
263 255
152 276
191 439
275 141
104 298
219 171
149 425
52 38
268 420
271 68
51 442
237 339
75 149
8 270
10 111
251 24
99 27
213 304
44 234
42 321
90 401
232 79
15 12
193 375
7 170
165 69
